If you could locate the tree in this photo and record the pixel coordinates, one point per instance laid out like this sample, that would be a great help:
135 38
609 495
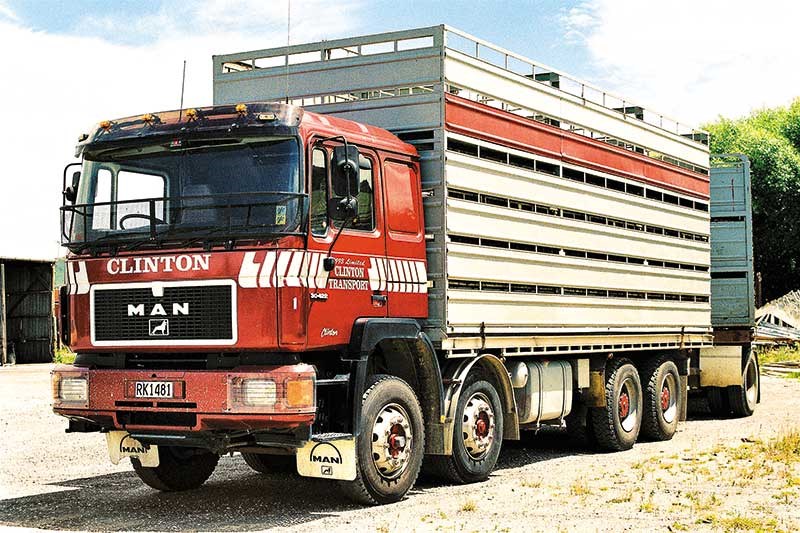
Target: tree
771 139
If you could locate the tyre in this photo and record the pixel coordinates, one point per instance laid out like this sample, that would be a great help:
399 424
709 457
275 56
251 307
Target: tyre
743 399
718 402
662 398
179 468
267 464
616 426
391 444
579 428
477 437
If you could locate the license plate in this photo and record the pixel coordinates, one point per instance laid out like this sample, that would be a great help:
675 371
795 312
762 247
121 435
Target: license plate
153 389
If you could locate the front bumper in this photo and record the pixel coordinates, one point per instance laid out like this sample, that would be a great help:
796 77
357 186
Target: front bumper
202 400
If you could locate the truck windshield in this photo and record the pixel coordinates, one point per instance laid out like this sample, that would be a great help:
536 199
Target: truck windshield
187 190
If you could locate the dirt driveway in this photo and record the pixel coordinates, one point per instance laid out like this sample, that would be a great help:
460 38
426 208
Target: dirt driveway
706 478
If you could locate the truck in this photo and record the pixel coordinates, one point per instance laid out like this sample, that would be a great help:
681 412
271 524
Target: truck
392 252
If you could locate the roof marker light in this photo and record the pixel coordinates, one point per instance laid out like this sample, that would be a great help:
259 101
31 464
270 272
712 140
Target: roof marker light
191 114
148 119
105 125
241 109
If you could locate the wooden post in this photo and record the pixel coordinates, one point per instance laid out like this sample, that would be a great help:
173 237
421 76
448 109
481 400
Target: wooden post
3 332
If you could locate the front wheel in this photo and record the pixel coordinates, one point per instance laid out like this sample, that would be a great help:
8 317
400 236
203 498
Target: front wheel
477 436
743 399
391 444
179 468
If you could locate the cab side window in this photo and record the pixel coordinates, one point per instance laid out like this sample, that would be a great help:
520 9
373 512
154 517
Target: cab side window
319 192
365 196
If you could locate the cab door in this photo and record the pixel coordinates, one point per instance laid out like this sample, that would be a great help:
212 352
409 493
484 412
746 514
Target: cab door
352 289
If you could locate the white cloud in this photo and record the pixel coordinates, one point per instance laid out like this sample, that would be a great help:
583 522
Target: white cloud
7 13
692 59
56 86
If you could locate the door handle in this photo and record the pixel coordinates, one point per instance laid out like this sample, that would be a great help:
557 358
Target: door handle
379 300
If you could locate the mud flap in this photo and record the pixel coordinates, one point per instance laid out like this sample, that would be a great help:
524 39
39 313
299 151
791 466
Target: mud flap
121 444
328 457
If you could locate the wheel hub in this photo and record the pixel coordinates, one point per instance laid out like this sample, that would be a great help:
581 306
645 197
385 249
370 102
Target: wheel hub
665 397
477 426
624 405
392 439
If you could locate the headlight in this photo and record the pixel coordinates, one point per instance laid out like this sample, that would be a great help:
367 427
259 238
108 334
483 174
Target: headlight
253 392
70 389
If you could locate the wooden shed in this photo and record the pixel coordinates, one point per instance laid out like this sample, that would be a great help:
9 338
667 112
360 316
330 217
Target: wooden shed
27 326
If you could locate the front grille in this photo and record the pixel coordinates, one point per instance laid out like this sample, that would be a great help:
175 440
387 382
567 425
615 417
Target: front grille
185 312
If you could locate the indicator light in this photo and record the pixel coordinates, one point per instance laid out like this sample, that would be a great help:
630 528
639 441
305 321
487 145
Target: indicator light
266 116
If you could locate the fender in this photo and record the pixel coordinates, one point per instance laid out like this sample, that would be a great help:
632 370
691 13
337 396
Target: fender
457 373
366 335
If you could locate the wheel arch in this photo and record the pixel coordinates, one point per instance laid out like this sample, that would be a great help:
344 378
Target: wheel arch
456 374
400 348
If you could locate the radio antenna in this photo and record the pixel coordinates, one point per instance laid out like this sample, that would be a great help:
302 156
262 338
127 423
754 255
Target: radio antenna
288 40
183 86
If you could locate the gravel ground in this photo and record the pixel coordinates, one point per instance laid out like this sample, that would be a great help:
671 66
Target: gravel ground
714 475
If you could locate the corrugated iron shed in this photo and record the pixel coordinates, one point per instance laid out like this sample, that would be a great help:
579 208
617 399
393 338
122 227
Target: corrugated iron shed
27 333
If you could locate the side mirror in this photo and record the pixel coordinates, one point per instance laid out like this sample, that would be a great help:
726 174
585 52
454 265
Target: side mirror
343 208
344 175
71 192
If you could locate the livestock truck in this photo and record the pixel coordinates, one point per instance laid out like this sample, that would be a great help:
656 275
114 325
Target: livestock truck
383 251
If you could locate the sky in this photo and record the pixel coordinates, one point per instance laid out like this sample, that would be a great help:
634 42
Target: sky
67 65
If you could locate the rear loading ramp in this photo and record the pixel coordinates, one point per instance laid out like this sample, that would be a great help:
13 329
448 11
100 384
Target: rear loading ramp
558 216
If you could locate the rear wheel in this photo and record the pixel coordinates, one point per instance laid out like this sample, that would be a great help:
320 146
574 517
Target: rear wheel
477 436
391 444
662 396
743 399
265 464
179 468
616 426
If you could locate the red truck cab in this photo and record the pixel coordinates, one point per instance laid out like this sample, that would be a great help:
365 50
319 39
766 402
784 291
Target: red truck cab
220 260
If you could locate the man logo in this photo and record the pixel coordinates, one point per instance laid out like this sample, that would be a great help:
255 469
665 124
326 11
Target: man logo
328 455
159 327
129 445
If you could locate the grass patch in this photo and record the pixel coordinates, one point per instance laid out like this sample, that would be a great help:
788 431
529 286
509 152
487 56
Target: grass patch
64 356
779 354
747 523
469 506
580 488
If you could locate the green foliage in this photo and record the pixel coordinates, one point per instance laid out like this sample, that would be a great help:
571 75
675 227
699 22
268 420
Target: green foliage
771 139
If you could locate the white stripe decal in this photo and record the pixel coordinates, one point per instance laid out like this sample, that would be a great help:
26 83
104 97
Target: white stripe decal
249 271
322 274
312 271
81 278
373 274
407 269
395 276
267 276
413 270
293 276
71 278
304 268
283 262
384 275
423 275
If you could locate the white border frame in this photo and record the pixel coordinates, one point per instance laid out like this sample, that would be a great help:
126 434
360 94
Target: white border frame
165 342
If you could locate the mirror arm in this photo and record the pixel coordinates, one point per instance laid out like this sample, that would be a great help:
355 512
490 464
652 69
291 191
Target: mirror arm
328 262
